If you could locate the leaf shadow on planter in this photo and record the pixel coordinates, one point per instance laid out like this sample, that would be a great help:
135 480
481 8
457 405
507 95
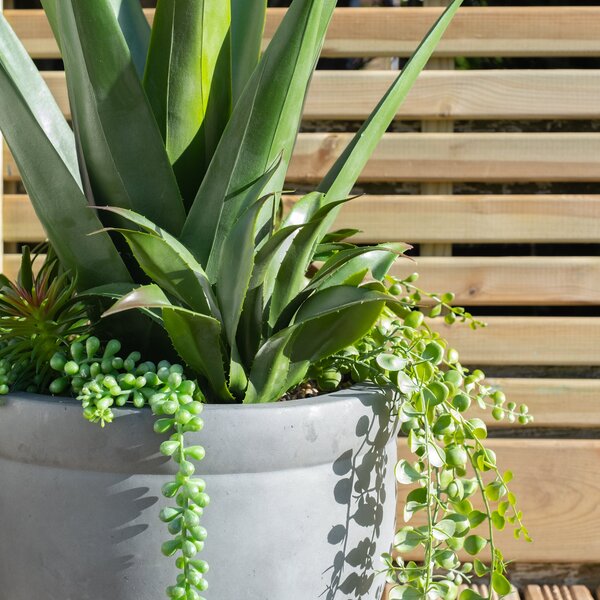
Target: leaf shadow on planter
362 490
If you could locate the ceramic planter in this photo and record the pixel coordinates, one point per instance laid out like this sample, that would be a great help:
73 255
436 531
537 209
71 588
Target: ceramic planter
302 500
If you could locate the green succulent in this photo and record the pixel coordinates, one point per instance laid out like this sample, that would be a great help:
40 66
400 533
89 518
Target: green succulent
39 316
183 133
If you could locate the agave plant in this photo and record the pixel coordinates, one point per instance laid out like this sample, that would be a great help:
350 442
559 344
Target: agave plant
183 134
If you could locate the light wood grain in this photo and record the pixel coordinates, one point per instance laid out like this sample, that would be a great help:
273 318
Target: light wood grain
505 31
436 157
494 94
483 591
557 485
557 592
509 281
476 281
473 219
557 403
417 219
20 221
566 341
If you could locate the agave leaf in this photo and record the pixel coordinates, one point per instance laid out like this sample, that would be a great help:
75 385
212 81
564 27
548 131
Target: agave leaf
132 20
116 290
169 263
291 276
343 175
247 28
268 251
136 30
268 379
170 270
43 147
188 83
126 162
351 313
347 267
235 271
376 259
264 124
195 337
328 322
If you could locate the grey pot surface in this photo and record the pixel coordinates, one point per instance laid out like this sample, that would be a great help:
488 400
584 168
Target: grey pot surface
302 500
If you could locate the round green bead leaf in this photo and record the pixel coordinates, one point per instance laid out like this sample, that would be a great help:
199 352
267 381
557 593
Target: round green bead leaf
474 544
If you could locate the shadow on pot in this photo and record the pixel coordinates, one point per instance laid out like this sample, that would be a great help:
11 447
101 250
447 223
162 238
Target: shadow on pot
361 489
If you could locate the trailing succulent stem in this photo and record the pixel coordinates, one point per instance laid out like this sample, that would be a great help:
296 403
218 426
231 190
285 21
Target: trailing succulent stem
104 381
451 464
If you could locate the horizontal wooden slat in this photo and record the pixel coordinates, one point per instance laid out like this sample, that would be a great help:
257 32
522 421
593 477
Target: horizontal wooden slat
20 221
475 281
505 31
11 265
436 157
566 341
495 94
557 592
422 219
510 281
485 157
557 486
555 403
475 219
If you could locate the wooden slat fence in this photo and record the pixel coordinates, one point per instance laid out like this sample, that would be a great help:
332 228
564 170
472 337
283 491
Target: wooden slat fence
557 480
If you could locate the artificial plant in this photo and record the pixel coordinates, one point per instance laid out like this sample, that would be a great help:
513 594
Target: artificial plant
165 197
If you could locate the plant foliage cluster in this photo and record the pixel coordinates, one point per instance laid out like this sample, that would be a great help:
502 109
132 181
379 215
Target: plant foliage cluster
191 242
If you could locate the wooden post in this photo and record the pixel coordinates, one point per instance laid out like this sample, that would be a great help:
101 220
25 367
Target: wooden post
437 127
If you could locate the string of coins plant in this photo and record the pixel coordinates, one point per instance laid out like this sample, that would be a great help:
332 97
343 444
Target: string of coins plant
435 394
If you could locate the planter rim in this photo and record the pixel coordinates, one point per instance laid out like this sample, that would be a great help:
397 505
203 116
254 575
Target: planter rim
51 431
330 397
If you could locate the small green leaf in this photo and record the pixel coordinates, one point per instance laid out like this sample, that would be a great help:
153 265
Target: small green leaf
390 362
478 427
469 594
481 570
474 544
435 455
498 520
435 393
405 592
476 517
406 473
500 584
433 352
407 539
444 529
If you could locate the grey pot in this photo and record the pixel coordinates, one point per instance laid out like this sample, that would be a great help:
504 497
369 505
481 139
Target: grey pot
302 500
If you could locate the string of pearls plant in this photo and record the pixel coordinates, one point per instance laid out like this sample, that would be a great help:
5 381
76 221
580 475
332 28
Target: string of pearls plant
103 381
